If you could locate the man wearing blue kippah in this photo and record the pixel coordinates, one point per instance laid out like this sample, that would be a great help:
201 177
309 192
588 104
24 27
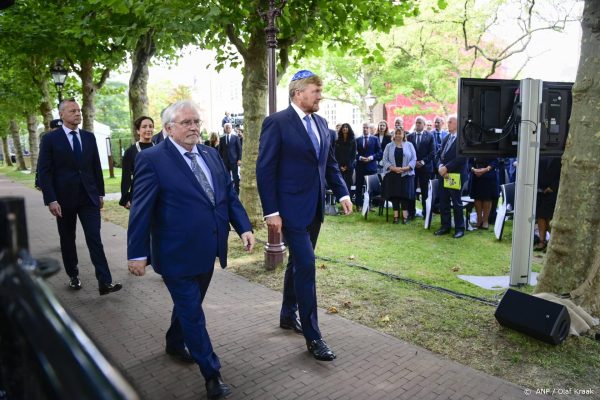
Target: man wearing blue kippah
296 161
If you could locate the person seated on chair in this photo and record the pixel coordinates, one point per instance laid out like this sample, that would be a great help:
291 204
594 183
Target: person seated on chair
450 162
399 159
547 190
483 188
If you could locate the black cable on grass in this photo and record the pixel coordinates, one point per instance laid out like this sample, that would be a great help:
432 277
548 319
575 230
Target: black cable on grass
415 282
493 303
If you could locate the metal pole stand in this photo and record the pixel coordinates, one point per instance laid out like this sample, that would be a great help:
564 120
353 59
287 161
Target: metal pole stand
526 184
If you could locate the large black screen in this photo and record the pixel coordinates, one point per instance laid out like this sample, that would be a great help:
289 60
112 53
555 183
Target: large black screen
489 115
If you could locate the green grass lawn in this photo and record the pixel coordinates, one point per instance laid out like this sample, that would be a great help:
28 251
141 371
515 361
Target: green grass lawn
459 329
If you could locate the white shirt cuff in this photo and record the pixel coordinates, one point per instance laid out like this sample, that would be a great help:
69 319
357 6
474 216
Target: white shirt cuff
272 215
344 198
138 258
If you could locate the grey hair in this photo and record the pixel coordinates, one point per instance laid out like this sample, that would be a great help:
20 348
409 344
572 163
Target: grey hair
171 112
63 103
421 118
228 124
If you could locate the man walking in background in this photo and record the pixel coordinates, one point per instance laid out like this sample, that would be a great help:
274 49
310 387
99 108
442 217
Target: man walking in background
230 149
70 176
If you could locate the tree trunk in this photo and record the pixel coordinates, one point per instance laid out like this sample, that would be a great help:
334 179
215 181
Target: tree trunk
88 88
573 258
6 152
254 101
32 124
14 134
138 81
46 104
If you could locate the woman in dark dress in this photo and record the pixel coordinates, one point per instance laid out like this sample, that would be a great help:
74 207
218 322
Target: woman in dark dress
483 188
547 190
399 159
144 127
345 153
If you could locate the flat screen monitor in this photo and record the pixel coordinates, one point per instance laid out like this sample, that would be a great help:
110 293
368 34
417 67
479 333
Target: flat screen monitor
489 113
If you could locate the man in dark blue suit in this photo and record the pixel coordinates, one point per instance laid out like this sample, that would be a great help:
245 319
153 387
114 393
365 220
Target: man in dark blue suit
230 148
368 153
162 135
182 206
70 176
424 144
450 162
296 160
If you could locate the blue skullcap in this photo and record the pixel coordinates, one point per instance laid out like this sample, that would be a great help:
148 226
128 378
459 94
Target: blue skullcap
302 74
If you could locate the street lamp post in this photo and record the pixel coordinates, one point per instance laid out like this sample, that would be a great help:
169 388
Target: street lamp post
370 100
59 76
274 249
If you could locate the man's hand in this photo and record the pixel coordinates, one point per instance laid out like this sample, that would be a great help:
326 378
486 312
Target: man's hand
137 267
239 162
55 209
443 171
127 205
419 164
101 203
248 241
274 223
347 206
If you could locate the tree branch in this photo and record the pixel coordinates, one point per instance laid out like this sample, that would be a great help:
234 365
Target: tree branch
237 42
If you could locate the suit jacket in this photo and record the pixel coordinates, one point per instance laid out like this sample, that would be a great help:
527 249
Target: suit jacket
291 179
442 134
451 160
425 150
231 153
373 148
173 219
156 139
61 177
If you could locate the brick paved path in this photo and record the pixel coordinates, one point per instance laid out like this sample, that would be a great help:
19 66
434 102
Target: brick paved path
260 361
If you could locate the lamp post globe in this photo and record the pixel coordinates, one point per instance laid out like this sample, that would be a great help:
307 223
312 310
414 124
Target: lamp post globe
370 101
59 76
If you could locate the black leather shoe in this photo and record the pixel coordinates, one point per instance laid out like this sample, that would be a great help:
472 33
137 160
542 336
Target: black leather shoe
180 354
75 283
216 388
459 234
109 288
442 231
290 323
319 349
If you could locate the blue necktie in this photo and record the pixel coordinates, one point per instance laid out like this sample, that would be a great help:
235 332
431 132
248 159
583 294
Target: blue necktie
312 136
201 177
76 146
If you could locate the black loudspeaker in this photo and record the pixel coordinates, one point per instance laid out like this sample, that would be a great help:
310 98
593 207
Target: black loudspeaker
533 316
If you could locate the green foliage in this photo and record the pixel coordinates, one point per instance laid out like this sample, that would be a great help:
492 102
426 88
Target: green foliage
112 109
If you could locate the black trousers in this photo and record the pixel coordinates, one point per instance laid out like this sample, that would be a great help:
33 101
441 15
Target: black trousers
89 216
235 175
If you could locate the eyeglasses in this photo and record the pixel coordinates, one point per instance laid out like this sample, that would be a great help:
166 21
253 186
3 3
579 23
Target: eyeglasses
187 123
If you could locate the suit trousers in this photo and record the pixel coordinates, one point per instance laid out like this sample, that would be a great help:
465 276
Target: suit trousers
89 216
447 195
421 180
188 324
235 175
299 286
